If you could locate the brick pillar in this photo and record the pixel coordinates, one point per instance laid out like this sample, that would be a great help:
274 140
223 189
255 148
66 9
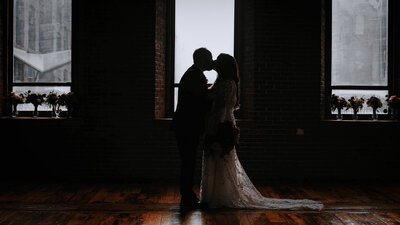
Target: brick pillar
160 66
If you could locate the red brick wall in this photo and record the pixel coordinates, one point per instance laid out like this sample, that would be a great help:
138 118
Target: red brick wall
160 57
116 135
2 105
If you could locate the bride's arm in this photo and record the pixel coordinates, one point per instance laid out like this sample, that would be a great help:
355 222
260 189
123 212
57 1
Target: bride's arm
222 94
224 100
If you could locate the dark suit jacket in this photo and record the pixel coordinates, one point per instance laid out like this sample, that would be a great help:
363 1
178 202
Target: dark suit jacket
192 104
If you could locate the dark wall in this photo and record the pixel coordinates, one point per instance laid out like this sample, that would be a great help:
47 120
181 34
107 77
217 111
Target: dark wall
116 136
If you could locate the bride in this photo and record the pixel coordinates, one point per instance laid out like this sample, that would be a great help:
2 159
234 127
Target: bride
224 182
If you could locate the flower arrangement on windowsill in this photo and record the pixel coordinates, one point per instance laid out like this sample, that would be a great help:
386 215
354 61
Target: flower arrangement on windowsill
374 103
15 100
338 103
394 106
69 101
36 99
356 104
53 100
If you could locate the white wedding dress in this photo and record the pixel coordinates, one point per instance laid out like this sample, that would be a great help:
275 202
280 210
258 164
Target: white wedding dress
224 182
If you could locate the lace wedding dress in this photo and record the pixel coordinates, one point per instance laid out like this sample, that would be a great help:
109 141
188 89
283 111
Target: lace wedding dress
224 182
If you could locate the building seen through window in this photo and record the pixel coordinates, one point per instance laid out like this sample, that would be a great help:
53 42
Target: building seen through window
41 47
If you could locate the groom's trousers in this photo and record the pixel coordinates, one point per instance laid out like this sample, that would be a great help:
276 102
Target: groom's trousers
187 144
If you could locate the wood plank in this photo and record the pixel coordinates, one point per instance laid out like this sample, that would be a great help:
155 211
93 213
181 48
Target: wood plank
78 218
19 218
56 218
129 219
394 215
387 218
346 219
95 218
109 219
366 218
152 218
327 218
256 218
4 215
274 217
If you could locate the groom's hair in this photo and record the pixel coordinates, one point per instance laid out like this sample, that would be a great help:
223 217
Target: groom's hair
200 54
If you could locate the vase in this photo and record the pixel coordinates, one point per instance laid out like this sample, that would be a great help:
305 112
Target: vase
339 115
35 111
57 112
394 113
355 115
374 115
14 111
69 111
53 111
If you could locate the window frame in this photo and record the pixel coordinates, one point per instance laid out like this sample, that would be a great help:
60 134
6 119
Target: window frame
8 69
170 82
393 53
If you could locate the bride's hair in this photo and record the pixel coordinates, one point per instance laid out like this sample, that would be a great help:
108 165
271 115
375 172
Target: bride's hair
227 69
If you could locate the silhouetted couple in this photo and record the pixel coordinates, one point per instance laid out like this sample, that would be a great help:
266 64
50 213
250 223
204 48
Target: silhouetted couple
204 113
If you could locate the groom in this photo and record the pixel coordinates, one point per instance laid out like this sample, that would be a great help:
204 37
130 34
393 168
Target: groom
188 121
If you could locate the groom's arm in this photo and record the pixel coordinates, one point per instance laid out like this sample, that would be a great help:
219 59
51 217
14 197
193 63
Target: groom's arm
194 89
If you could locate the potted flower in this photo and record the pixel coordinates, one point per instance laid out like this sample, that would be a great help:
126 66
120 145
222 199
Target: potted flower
36 99
374 103
338 103
15 100
356 104
394 105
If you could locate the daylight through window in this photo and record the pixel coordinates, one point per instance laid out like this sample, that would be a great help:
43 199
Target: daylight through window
360 50
205 23
41 47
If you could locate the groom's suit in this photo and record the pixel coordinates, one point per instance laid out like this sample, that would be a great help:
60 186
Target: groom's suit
188 125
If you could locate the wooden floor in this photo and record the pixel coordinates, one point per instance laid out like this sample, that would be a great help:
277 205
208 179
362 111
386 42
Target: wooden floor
74 203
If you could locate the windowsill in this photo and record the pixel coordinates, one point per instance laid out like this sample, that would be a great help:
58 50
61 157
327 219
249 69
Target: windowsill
163 119
361 121
33 118
170 119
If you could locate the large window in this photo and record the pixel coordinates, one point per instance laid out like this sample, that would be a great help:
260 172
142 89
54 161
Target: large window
206 23
41 47
359 51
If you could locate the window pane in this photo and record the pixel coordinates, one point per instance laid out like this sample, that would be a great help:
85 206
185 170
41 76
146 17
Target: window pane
359 42
41 90
42 41
206 23
347 94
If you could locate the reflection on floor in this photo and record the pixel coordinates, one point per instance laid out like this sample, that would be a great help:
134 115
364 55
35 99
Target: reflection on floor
151 203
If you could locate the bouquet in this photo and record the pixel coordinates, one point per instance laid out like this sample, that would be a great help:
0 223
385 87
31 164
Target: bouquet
355 103
393 102
69 101
374 102
35 99
226 138
52 99
338 102
17 99
66 99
